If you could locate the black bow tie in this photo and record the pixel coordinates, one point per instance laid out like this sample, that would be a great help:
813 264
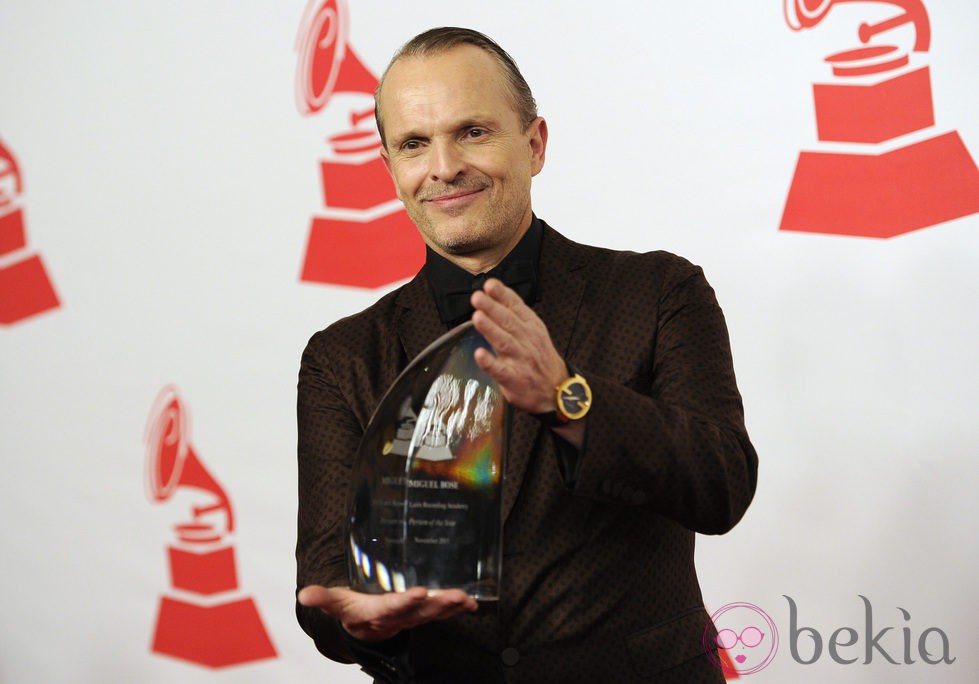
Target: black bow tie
453 302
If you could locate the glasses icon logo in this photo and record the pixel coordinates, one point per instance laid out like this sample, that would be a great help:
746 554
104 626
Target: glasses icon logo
740 639
750 637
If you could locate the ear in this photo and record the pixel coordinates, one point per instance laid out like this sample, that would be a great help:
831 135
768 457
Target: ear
538 144
387 165
386 158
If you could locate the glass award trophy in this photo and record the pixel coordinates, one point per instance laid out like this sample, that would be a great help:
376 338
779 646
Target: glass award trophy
425 498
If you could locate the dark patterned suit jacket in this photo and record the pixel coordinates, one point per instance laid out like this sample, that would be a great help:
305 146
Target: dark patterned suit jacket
598 577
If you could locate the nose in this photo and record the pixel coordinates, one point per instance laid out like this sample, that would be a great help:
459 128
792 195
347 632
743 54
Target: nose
447 161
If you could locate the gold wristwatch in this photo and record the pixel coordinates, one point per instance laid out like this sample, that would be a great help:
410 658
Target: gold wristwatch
573 399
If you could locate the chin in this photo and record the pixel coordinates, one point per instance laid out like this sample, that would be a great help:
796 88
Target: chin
461 240
462 247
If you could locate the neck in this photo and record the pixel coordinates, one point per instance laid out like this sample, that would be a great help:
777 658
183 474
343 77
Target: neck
487 259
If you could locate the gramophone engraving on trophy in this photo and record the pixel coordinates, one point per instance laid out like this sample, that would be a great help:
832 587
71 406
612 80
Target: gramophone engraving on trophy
25 288
881 167
205 619
361 236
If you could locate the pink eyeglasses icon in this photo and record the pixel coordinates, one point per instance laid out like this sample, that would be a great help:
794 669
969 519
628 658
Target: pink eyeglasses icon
750 637
720 640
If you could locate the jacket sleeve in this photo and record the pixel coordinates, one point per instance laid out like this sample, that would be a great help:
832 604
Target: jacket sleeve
330 423
328 435
672 437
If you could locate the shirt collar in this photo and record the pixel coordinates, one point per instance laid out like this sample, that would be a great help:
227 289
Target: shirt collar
452 285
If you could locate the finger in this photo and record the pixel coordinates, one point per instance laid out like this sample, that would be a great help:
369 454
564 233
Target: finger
498 336
441 606
502 326
453 598
497 300
498 290
316 596
399 614
375 617
346 604
498 364
489 308
393 604
486 361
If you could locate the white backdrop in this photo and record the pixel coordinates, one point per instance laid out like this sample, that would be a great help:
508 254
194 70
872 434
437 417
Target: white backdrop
168 185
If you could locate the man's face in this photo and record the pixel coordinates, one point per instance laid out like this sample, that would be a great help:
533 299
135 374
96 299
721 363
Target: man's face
459 156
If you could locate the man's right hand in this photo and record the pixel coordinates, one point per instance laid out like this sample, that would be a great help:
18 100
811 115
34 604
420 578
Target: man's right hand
376 617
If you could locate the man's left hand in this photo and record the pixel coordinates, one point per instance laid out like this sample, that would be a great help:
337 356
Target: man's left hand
526 366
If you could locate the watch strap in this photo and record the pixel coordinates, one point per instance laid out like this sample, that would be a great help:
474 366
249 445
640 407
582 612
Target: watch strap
551 418
555 418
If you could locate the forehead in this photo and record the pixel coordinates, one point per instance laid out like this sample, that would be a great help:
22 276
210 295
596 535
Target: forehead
464 81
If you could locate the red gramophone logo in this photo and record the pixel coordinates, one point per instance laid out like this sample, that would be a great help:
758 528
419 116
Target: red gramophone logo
25 288
361 235
205 619
902 174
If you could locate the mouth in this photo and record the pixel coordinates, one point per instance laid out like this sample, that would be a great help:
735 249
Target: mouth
454 199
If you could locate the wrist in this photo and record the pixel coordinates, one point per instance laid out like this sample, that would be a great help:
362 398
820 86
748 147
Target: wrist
572 399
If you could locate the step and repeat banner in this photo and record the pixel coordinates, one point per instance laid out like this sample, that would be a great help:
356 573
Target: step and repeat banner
190 189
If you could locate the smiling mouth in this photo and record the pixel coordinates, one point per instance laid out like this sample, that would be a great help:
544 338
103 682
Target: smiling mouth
454 197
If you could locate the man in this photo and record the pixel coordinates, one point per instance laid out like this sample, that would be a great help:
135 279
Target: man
600 509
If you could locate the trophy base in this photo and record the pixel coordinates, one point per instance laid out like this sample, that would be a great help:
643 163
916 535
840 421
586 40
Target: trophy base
482 594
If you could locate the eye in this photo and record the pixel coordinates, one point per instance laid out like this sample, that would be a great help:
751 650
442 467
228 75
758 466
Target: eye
474 133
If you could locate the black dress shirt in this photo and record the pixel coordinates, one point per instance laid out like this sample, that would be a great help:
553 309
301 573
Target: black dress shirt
452 286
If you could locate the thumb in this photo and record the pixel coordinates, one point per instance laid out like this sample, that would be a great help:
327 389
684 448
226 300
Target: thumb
315 595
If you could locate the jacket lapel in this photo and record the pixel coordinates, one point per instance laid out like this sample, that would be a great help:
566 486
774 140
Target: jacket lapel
561 293
417 323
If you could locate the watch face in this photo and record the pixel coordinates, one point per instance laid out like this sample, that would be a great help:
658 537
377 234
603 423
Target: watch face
575 398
